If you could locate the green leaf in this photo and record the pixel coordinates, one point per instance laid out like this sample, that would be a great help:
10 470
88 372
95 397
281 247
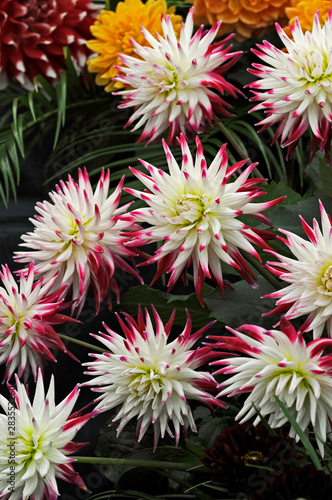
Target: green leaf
242 305
17 126
31 106
305 440
61 95
165 303
287 216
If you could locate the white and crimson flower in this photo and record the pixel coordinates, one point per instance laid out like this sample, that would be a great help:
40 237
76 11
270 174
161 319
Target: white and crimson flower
27 313
309 276
34 33
297 85
78 236
279 363
41 439
176 85
194 210
150 377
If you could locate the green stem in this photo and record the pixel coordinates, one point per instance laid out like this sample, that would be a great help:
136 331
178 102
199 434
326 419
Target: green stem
266 274
153 464
242 154
80 342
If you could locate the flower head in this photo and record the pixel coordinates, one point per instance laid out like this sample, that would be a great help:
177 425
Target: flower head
39 443
171 82
150 377
78 238
27 314
237 450
34 33
300 483
305 10
297 85
245 18
280 363
309 275
194 210
113 31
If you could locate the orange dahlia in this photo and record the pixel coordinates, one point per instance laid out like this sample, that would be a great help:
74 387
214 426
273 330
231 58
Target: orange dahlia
245 18
113 31
305 10
33 34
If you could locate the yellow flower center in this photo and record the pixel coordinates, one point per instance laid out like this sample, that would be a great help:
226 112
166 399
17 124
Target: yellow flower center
327 280
252 457
315 63
192 207
146 385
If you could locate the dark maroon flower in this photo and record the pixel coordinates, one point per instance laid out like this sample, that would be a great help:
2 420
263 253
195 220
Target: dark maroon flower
33 34
243 455
298 483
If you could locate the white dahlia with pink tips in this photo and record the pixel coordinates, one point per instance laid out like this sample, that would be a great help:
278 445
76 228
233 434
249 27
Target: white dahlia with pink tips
309 276
295 87
151 377
79 237
176 84
35 441
27 313
194 211
279 363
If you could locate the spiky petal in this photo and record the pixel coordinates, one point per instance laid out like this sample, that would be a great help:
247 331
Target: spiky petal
295 86
77 237
279 363
309 276
176 85
150 377
34 449
27 313
194 210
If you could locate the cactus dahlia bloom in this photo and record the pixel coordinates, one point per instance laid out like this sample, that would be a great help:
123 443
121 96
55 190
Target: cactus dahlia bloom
173 83
151 377
297 85
35 439
112 32
247 19
34 33
309 275
194 210
27 314
77 237
279 363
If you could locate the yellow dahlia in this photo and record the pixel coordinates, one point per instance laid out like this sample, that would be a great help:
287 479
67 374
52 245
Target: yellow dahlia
245 18
113 31
305 10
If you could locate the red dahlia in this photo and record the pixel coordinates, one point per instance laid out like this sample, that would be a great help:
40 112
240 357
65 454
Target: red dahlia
33 34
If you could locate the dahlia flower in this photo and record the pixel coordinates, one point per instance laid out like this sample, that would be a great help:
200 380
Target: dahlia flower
305 10
33 34
300 483
27 314
297 85
280 363
35 440
247 19
309 275
171 82
151 377
112 32
237 450
194 209
78 237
